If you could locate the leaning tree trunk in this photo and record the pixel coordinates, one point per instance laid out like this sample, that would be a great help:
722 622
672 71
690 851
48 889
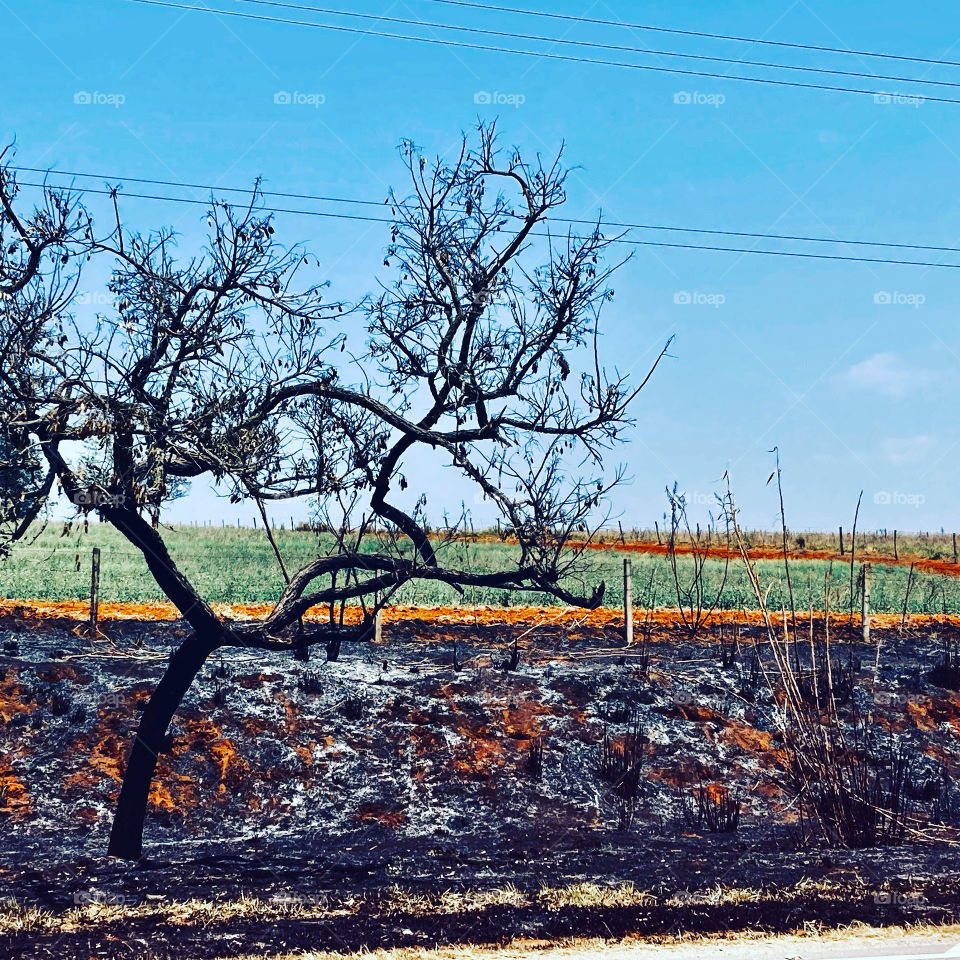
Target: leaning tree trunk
126 837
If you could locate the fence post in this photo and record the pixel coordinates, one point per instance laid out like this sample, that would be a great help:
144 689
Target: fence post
628 601
895 557
865 609
94 592
954 548
841 541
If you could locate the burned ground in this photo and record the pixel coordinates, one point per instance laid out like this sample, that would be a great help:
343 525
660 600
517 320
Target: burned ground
470 751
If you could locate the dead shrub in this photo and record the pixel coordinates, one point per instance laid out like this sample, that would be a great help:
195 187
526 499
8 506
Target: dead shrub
615 709
310 682
60 704
696 599
729 646
535 759
848 781
946 673
354 708
713 807
219 698
621 761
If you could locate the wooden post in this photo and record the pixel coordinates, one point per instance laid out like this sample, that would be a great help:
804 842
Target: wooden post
657 528
895 557
94 592
865 608
954 548
620 525
841 541
628 601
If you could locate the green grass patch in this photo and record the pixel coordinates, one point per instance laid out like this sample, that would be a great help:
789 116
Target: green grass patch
231 565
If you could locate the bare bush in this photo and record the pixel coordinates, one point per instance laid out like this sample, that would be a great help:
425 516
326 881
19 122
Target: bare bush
714 808
535 758
621 760
696 602
946 672
847 781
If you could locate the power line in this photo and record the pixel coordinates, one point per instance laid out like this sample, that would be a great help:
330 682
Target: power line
577 221
621 240
624 48
544 55
697 33
206 203
196 186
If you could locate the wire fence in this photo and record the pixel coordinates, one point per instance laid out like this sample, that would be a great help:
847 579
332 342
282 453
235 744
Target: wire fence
60 570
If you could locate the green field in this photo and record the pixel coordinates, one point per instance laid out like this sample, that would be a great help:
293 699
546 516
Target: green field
231 565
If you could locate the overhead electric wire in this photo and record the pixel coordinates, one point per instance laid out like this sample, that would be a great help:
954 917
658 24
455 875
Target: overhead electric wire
579 221
195 186
622 48
206 203
541 55
622 240
696 33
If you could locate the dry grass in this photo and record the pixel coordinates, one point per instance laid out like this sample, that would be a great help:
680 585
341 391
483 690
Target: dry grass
594 895
17 917
811 900
579 949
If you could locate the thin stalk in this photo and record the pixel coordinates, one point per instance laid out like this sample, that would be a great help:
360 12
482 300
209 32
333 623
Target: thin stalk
906 599
853 551
786 565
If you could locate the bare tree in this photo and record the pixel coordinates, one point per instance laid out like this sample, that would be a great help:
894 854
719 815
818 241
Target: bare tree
231 364
38 277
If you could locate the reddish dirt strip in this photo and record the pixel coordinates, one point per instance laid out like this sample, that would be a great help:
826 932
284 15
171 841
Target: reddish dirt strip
79 610
946 568
924 564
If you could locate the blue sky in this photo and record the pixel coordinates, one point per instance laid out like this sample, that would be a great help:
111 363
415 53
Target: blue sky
848 368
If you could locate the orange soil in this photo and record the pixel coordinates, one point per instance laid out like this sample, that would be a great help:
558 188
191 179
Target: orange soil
14 798
379 814
14 698
78 610
925 564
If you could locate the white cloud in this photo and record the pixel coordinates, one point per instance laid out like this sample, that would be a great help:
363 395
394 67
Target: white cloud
887 374
901 450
